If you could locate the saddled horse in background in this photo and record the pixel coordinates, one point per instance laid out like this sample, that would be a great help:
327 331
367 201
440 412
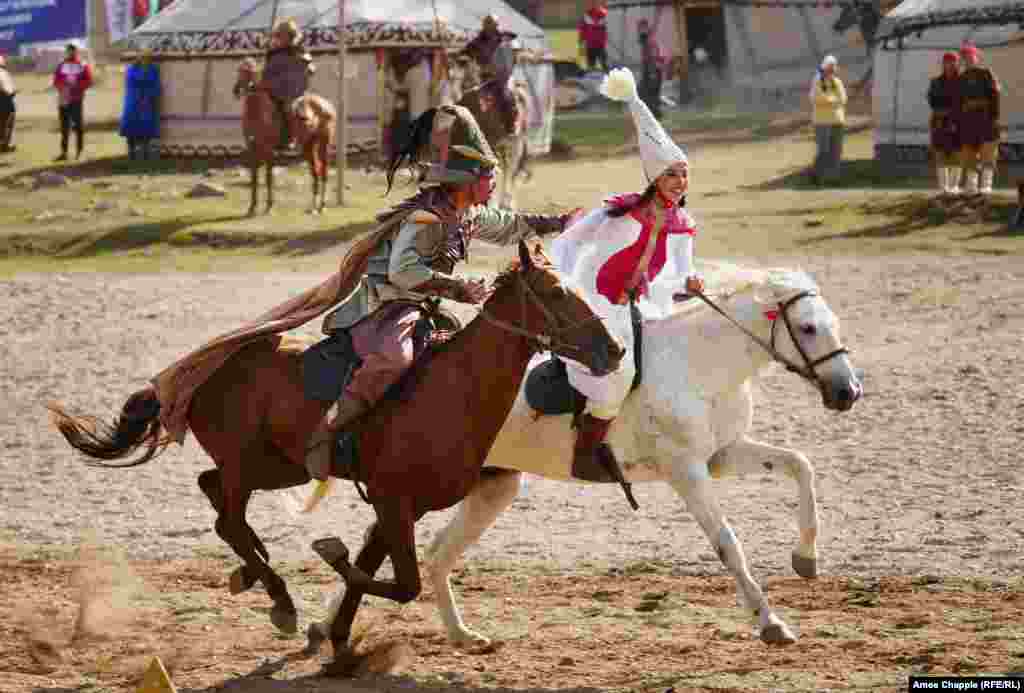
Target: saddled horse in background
419 451
311 120
506 133
688 422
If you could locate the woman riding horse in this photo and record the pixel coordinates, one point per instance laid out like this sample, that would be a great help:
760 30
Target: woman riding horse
287 72
630 240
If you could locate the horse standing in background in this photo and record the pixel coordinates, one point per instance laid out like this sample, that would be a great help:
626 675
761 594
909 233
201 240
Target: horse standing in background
312 120
506 133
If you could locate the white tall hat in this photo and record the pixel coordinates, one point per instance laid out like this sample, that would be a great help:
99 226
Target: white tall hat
657 150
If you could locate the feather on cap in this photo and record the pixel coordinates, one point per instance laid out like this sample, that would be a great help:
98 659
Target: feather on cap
657 150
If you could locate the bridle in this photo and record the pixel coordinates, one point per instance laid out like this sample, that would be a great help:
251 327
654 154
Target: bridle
808 371
552 338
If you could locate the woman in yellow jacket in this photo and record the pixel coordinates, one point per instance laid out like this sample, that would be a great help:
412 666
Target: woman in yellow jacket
829 98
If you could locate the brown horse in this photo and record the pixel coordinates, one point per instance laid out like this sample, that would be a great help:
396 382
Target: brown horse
311 119
419 452
505 131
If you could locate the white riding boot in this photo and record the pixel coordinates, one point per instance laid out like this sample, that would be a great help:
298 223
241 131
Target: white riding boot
970 182
953 180
942 177
988 175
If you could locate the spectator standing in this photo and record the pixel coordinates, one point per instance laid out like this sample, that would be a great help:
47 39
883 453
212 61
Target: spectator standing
944 100
653 68
8 111
593 32
71 79
140 118
828 96
978 121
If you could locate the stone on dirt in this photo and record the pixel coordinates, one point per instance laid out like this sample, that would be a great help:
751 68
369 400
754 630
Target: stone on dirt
206 190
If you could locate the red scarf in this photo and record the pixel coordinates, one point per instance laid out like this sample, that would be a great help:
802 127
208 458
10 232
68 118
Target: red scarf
614 275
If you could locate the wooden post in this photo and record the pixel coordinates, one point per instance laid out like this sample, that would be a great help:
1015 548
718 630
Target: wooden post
341 138
683 62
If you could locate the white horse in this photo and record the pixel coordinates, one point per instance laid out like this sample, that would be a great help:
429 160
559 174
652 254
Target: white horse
686 423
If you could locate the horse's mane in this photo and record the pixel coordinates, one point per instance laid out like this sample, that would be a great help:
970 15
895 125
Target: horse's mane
725 281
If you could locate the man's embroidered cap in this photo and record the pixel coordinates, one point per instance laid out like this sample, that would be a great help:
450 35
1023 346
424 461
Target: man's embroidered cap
469 154
657 150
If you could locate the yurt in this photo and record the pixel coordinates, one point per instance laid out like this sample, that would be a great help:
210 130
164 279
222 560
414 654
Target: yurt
199 44
764 50
912 39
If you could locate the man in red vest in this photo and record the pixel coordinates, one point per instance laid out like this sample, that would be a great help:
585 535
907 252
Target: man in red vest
593 30
72 77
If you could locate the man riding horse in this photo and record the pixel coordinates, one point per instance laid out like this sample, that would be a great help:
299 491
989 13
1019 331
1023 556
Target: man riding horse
287 72
494 55
414 253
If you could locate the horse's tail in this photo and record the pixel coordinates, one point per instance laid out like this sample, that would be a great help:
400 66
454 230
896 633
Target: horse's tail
138 425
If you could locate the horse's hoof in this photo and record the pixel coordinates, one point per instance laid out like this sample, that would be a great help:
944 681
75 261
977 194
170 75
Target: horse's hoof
315 639
285 619
334 552
805 567
240 581
777 634
343 665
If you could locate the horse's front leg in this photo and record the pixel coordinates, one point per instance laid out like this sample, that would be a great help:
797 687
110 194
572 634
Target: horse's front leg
323 169
270 182
254 179
489 497
746 456
693 484
309 154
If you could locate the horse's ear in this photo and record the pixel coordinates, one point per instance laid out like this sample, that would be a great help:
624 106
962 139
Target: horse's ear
525 261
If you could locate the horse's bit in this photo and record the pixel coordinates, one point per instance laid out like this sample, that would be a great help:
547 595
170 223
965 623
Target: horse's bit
539 341
807 371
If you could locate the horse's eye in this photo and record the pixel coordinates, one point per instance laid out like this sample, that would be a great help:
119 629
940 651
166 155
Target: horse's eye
809 329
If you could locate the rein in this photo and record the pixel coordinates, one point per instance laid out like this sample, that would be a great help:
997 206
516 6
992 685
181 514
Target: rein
807 371
539 341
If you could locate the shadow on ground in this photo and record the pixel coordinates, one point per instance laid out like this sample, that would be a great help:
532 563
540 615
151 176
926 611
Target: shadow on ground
914 213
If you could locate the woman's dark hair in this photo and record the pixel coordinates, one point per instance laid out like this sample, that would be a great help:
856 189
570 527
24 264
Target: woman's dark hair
416 139
647 196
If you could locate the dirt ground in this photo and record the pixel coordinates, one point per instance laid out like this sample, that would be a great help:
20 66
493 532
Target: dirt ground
919 486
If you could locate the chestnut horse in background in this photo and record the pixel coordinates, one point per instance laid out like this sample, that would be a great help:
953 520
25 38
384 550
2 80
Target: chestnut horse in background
311 120
420 450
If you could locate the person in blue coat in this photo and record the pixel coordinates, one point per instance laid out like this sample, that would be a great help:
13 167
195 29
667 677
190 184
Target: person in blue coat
140 119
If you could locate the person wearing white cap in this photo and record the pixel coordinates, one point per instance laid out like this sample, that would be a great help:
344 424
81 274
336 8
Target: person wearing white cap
615 254
828 95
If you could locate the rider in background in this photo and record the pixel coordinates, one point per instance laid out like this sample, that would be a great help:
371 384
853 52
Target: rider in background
625 245
492 51
287 72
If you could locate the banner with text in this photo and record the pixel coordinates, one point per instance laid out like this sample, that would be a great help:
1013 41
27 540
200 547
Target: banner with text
40 21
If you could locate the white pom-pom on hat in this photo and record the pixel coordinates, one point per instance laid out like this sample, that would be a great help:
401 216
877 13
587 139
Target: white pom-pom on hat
619 85
657 150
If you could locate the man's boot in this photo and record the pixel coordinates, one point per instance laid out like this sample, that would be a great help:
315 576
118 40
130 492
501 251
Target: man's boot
79 141
970 182
953 173
988 174
321 447
942 178
591 452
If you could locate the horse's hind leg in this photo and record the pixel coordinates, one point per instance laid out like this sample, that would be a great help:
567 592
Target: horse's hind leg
235 531
492 495
243 577
323 168
695 490
748 456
